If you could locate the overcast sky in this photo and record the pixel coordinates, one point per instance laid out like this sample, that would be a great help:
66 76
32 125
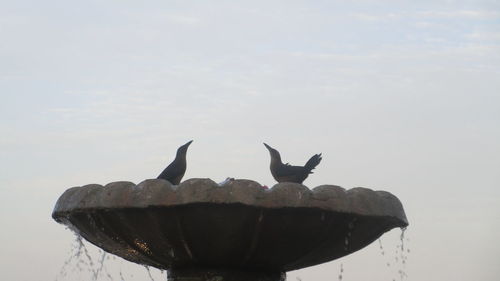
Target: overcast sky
402 96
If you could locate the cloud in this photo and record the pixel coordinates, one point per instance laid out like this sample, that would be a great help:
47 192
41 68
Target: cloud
430 14
334 56
376 17
484 35
428 24
460 14
183 19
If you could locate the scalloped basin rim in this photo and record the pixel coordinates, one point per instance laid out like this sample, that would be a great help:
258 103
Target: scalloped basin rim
160 193
237 225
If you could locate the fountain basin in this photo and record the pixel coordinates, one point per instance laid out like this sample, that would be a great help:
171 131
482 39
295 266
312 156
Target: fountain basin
199 226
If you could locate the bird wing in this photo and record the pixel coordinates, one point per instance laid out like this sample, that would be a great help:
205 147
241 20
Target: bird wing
171 171
288 170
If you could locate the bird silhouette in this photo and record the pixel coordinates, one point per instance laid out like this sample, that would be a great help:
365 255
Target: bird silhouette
175 171
287 173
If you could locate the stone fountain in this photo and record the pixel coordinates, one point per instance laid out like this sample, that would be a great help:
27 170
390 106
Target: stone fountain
201 231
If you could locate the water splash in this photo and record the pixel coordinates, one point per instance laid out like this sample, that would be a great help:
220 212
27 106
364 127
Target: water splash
347 238
88 262
341 273
400 256
103 268
382 251
101 264
346 241
79 259
121 274
149 273
72 254
402 252
84 263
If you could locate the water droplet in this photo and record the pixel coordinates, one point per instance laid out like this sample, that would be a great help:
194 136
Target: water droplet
149 273
341 272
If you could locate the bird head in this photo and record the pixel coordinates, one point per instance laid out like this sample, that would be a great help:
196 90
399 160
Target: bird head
183 149
275 155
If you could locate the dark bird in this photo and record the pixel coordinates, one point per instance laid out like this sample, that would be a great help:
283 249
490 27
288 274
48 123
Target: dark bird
287 173
175 171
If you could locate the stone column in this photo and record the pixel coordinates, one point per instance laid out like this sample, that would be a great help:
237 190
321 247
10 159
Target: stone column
210 274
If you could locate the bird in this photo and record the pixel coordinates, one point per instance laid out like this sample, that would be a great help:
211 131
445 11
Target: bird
175 170
287 173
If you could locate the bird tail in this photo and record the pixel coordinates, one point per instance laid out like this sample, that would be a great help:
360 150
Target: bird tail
313 162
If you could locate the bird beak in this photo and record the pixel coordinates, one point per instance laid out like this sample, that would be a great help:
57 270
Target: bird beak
188 143
267 146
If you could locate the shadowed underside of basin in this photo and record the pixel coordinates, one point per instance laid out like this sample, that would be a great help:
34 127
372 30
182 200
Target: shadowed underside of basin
199 226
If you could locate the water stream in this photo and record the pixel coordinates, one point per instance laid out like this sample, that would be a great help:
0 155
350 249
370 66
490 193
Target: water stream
350 228
80 264
80 261
149 273
64 269
400 256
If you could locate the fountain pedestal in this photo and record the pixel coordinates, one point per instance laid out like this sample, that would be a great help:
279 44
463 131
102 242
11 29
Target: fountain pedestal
200 231
210 274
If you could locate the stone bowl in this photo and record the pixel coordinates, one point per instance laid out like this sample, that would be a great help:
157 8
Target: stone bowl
240 226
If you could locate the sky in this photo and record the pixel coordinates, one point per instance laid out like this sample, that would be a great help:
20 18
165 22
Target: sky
402 96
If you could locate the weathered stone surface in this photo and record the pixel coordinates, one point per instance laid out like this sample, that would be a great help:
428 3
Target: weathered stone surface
239 226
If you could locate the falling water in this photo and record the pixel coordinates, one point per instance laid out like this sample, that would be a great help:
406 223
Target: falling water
341 273
403 257
104 257
120 272
149 273
82 260
400 256
381 248
101 264
350 228
79 258
73 252
89 262
382 251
